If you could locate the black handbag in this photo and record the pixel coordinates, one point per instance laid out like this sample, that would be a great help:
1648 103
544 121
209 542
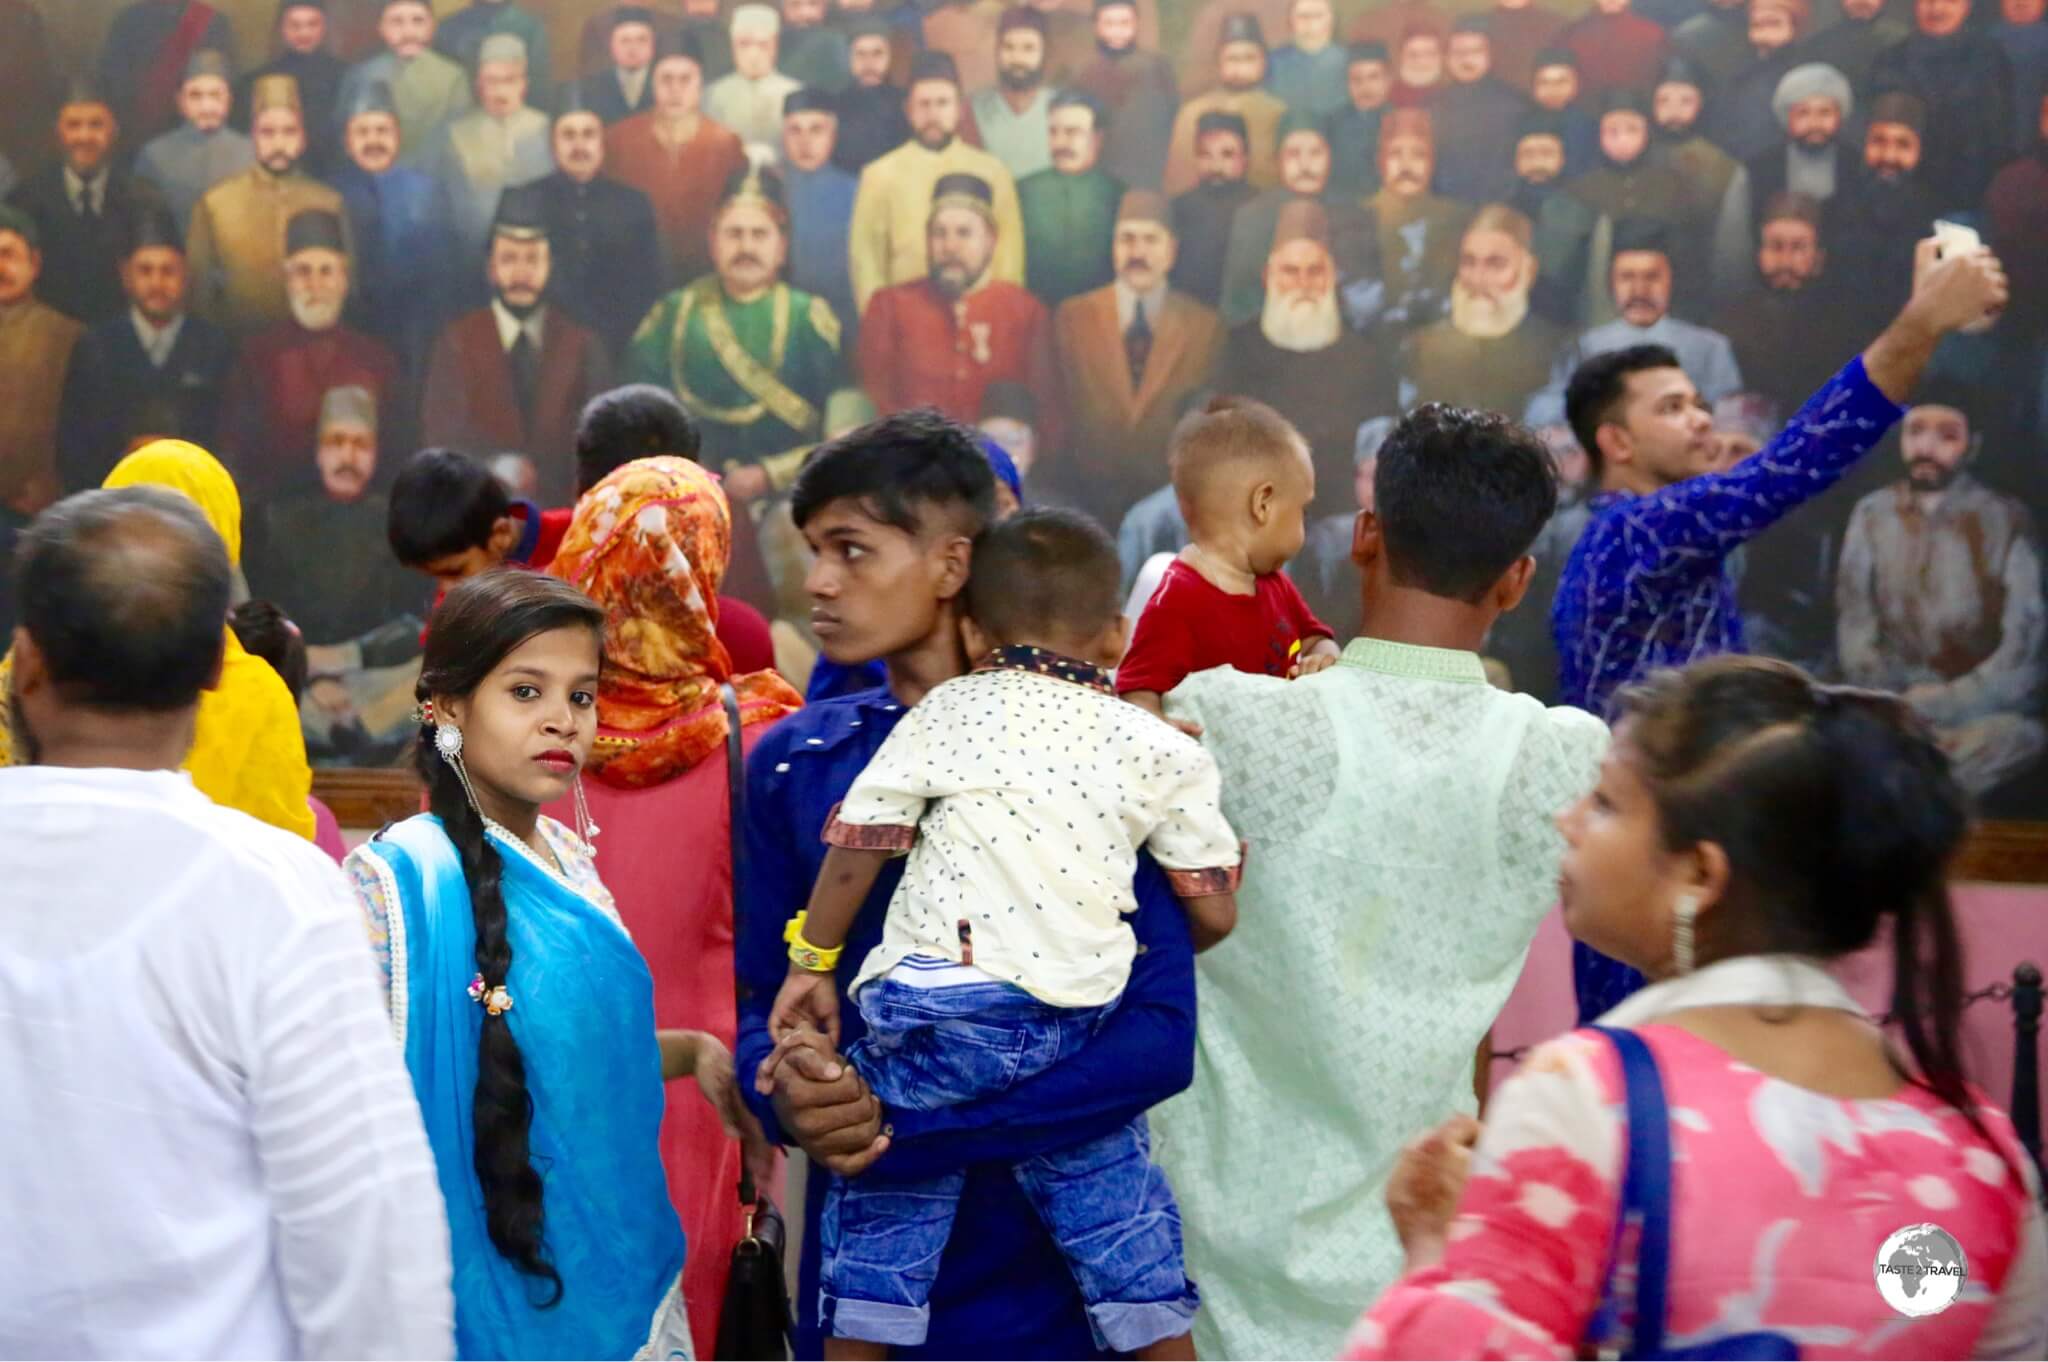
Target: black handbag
753 1319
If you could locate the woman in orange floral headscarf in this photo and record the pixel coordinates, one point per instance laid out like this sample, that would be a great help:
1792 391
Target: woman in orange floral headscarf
649 544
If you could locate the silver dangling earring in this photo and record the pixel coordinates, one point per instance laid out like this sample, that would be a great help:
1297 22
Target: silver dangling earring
1682 914
586 827
448 742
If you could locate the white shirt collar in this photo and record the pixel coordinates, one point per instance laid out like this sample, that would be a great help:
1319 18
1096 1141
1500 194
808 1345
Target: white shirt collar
157 342
510 326
1744 980
632 84
76 188
1128 299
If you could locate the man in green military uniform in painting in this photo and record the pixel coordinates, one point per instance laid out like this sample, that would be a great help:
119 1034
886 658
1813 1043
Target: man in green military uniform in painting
752 358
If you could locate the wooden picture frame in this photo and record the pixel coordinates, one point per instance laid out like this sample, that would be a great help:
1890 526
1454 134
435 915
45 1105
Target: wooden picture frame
366 800
1998 852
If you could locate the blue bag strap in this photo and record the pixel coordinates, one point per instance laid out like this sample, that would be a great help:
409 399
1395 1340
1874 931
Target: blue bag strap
1645 1201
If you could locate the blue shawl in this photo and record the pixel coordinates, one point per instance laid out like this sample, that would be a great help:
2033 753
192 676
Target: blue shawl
583 1015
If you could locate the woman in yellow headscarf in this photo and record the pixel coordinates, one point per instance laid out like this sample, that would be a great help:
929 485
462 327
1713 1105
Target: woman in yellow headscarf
248 752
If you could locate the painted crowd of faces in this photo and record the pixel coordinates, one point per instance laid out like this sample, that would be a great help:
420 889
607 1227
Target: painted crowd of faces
1960 625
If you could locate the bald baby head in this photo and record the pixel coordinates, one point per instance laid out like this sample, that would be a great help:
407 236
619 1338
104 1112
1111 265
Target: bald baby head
1219 454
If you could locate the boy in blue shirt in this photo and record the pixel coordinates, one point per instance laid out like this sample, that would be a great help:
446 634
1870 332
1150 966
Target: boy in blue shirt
891 511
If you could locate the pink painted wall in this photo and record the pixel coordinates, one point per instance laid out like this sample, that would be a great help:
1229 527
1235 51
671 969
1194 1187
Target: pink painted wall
2002 925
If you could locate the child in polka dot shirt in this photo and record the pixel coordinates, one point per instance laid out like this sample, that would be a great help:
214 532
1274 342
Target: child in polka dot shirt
1023 793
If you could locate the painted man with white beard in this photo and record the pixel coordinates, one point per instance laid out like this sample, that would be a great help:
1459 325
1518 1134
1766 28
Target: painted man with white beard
1492 352
273 403
1299 357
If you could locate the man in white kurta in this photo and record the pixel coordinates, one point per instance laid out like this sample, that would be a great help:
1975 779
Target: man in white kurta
214 1146
1398 813
749 98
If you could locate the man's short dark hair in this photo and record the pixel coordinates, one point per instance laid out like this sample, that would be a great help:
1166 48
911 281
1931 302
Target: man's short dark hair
125 592
1600 384
897 468
1460 495
443 502
265 631
639 421
1045 572
1081 99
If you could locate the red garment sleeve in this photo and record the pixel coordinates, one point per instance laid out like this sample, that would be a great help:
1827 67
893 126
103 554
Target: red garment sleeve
1162 650
746 573
1306 626
554 528
745 635
877 351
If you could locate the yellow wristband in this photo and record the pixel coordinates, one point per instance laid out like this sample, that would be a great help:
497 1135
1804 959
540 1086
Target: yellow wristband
805 956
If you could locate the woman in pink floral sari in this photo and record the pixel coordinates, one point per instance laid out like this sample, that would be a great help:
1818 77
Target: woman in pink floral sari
1748 825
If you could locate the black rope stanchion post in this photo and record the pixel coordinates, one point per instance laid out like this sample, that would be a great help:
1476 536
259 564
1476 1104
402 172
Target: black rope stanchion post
2026 1063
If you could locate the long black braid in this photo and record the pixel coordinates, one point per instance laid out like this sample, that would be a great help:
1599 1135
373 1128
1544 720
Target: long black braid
481 621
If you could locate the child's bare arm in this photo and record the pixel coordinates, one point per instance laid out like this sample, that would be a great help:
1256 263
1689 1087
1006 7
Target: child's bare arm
1318 656
1211 917
844 882
806 997
1152 702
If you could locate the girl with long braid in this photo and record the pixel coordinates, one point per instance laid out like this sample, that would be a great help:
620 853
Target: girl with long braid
524 1009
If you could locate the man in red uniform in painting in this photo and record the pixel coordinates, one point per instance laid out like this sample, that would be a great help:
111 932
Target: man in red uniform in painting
941 340
677 157
273 402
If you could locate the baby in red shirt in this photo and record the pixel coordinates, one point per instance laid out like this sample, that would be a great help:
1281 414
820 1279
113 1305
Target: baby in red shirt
1244 480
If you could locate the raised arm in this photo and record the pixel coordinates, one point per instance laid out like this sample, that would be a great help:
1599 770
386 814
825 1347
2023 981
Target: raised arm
1715 513
1947 296
1144 1054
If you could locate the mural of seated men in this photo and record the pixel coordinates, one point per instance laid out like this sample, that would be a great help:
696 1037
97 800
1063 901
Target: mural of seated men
1288 355
322 555
1492 352
1939 597
1640 276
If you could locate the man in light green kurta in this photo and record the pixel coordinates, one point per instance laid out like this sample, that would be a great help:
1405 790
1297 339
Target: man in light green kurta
430 90
1070 209
752 358
1398 811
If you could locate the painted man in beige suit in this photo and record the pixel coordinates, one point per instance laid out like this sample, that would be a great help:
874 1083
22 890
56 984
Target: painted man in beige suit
1131 353
236 246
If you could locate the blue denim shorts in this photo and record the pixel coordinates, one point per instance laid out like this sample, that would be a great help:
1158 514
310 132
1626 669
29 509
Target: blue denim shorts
1105 1203
928 1048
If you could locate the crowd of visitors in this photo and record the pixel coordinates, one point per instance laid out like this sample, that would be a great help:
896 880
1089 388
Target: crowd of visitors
1124 973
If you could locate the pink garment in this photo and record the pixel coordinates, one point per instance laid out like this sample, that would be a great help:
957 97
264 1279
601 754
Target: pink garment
1782 1199
327 830
664 853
